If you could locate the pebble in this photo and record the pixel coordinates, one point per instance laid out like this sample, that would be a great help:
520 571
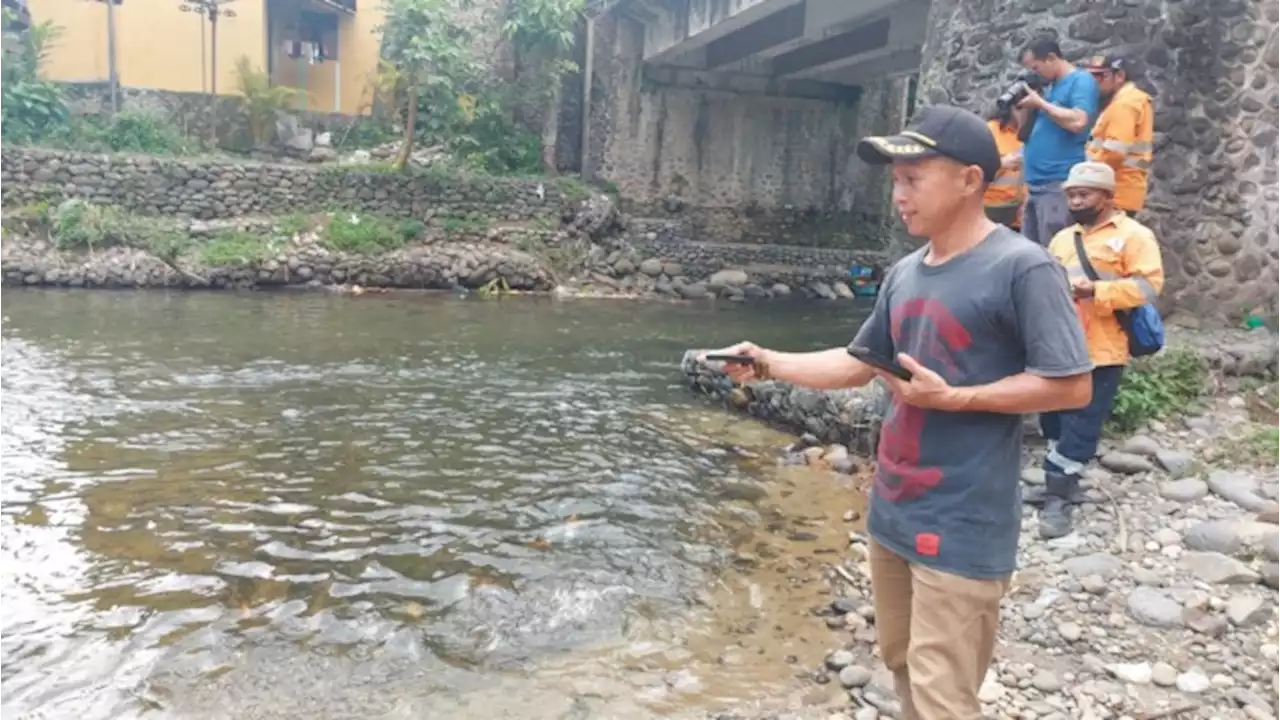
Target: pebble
1163 674
1184 491
1141 445
854 676
1070 631
1136 673
1125 463
866 713
1192 682
840 659
1168 537
1218 569
1046 682
1247 610
1175 462
1154 608
1103 564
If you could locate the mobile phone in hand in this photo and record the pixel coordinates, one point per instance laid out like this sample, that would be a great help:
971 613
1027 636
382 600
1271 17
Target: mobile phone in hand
865 355
732 359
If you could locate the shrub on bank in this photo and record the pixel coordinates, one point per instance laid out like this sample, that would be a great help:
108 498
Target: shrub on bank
1155 387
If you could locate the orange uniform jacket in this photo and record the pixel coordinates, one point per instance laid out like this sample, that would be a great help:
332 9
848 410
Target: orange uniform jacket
1126 256
1122 138
1007 190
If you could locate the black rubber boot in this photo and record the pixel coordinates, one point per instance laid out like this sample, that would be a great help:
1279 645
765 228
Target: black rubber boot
1035 496
1055 515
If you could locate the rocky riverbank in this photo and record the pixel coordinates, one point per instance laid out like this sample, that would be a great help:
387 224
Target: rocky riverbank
576 258
1163 601
222 223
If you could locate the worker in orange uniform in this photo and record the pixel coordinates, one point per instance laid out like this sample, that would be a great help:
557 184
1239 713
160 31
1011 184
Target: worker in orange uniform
1124 257
1003 198
1122 135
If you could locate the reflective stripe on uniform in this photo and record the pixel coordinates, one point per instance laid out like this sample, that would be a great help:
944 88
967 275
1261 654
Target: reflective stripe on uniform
1133 148
1137 163
1148 292
1069 466
1007 180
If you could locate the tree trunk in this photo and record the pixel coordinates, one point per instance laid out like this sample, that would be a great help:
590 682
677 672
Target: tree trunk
411 111
551 130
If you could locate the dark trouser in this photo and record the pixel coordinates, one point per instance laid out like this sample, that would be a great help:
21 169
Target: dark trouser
1006 215
1046 212
1075 433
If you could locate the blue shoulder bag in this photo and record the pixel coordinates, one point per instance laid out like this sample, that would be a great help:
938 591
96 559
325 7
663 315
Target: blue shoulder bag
1143 324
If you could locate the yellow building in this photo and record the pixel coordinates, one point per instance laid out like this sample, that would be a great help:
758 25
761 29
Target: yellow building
326 47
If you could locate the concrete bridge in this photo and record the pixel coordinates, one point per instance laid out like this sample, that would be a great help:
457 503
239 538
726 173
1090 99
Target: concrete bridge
718 105
809 48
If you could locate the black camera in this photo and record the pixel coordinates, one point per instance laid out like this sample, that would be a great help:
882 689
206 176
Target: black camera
1026 81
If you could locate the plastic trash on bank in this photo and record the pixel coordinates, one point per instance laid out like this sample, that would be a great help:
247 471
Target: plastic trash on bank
862 278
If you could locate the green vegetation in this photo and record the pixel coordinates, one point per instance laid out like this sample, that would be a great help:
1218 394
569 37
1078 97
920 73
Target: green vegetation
563 260
78 225
128 131
1156 386
368 234
236 248
447 96
464 224
1262 443
30 107
260 100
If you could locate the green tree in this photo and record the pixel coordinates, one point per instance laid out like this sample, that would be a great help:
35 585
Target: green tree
31 106
541 36
431 53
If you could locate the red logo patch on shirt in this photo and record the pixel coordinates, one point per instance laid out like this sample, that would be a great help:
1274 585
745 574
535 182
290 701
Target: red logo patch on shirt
927 544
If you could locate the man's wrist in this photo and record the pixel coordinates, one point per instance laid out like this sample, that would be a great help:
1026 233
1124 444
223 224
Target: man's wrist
961 399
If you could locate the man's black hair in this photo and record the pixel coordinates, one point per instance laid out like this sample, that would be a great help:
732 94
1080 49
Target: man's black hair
1043 47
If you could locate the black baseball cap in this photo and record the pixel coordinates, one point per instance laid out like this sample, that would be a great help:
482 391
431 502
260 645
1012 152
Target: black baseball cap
938 130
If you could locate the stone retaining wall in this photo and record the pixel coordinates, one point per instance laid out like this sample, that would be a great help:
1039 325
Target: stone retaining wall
419 267
1211 67
223 188
852 417
847 417
753 225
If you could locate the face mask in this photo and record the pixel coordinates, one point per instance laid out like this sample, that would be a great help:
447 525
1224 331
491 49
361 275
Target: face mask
1086 215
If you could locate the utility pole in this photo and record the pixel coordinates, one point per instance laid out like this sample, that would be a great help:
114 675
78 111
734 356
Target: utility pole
113 74
210 10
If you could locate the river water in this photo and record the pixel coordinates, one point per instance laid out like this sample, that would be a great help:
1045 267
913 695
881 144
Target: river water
279 505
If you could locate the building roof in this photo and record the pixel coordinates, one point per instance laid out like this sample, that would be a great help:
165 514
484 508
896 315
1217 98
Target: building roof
18 8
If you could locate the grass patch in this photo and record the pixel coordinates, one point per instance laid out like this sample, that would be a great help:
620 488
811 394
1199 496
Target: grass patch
293 224
464 224
366 234
235 249
1262 443
1156 387
83 226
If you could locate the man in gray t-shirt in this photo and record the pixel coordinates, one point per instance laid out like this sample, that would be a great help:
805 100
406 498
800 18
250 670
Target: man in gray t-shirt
983 321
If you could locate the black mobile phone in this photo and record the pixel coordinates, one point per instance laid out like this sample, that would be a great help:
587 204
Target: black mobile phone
890 366
734 359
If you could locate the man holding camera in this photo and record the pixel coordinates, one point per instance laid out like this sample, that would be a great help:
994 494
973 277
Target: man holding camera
1124 131
1057 141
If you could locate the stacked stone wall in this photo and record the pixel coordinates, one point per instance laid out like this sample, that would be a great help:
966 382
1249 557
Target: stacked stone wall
1211 67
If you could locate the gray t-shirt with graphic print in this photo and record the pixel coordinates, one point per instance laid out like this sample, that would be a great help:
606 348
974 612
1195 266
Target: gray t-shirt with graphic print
947 491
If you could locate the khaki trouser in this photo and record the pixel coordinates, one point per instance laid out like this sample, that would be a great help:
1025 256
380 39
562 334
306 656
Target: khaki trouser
937 632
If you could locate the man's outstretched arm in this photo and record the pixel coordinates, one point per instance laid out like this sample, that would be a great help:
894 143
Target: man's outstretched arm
822 370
